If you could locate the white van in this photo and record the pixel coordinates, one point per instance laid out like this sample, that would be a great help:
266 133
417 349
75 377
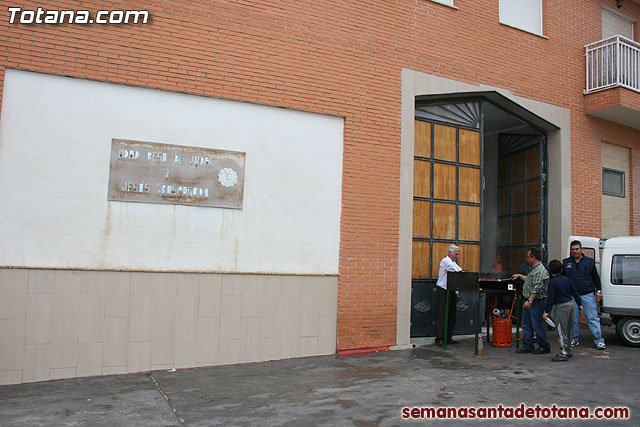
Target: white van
618 262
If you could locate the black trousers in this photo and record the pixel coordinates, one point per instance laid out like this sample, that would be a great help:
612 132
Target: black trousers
441 305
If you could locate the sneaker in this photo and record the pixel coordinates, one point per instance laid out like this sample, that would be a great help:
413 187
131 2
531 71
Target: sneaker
524 350
542 350
560 358
601 346
575 343
570 355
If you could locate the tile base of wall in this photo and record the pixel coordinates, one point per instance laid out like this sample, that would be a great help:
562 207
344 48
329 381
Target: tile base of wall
63 323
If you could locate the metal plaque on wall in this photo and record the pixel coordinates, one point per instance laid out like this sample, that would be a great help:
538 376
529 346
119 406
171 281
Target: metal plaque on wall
173 174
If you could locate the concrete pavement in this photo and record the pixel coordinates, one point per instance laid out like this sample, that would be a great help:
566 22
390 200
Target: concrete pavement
357 390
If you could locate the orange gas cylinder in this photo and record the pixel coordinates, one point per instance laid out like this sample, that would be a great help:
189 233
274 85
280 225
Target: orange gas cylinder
501 331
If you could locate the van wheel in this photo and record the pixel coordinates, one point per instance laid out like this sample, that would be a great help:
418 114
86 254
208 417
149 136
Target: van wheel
628 331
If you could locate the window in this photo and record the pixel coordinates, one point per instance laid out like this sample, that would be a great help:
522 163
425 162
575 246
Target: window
590 252
613 24
446 2
523 14
612 182
625 270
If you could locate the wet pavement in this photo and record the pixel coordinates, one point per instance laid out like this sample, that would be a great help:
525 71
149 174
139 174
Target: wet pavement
356 390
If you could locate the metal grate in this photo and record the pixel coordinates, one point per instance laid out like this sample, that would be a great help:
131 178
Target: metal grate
464 114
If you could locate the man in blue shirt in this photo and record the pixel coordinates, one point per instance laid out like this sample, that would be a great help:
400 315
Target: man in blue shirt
582 272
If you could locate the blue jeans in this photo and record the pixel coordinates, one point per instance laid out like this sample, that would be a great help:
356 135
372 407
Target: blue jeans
590 310
532 321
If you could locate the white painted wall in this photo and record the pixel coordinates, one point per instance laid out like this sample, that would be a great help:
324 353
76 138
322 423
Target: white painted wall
55 141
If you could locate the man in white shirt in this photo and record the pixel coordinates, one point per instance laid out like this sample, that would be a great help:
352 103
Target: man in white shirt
448 263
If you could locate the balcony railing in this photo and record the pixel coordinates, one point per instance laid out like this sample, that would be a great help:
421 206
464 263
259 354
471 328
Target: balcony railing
613 62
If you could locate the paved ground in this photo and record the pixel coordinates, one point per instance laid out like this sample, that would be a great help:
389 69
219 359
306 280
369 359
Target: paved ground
359 390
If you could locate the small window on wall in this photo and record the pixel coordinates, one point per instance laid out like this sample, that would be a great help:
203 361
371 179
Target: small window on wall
447 2
612 182
522 14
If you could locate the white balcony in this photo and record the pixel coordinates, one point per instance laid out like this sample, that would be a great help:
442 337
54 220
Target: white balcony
613 62
612 90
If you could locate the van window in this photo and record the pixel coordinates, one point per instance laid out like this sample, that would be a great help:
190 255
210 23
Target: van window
590 252
625 270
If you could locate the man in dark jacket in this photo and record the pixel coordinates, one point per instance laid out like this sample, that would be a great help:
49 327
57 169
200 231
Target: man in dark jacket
582 272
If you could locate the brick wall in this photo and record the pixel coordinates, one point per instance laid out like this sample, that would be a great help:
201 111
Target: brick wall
611 98
634 189
342 58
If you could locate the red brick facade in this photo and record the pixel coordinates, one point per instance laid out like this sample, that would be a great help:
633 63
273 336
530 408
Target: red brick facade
611 98
344 58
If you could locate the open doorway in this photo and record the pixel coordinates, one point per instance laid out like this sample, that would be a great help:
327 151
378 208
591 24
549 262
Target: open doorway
515 190
480 183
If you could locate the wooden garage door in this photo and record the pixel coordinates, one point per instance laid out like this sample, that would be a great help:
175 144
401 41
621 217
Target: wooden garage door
446 197
520 200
